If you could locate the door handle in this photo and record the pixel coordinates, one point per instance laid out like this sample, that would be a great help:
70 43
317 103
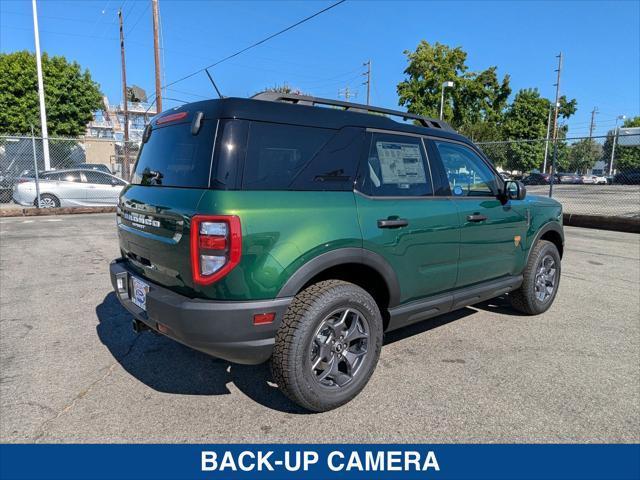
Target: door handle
395 223
476 217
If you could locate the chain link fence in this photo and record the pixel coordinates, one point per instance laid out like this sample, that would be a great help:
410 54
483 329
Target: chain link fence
591 177
81 172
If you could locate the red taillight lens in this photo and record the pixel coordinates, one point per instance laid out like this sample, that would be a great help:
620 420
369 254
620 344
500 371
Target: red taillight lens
216 246
210 242
174 117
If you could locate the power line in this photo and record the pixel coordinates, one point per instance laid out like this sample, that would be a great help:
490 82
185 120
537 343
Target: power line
253 45
135 24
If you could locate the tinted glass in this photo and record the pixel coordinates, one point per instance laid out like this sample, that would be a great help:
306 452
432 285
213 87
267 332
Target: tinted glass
97 177
70 177
173 157
49 176
231 148
335 165
468 174
396 166
277 154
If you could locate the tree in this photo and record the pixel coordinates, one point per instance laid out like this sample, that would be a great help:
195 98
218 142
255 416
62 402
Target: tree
627 158
476 103
583 154
525 127
71 96
284 88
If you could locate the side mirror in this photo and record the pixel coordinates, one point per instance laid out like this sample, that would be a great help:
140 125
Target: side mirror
514 190
114 182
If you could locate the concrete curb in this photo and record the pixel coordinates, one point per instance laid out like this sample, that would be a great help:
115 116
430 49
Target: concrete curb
602 222
36 212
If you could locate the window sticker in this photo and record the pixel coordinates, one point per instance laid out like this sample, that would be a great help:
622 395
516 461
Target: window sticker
401 163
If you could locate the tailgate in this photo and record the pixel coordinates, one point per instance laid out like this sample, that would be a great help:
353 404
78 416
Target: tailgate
154 237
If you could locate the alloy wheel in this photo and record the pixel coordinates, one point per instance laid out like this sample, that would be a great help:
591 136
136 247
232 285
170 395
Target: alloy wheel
545 281
339 347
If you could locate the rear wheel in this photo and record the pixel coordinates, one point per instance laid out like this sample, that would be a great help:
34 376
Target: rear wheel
47 201
328 345
541 278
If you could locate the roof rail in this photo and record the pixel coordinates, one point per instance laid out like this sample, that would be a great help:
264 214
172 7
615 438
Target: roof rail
354 107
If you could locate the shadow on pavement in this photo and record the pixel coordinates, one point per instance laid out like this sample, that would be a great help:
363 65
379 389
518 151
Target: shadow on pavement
170 367
501 305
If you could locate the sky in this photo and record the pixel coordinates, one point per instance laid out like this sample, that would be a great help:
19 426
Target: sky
600 41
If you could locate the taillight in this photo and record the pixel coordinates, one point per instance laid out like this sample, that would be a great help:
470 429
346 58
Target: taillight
216 246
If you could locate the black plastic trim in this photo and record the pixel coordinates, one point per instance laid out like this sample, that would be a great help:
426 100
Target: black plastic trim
419 310
339 257
549 226
223 329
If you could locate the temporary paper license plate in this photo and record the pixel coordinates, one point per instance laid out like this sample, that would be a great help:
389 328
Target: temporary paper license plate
139 294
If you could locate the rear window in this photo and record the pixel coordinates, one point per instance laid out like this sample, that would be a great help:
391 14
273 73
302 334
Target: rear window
173 157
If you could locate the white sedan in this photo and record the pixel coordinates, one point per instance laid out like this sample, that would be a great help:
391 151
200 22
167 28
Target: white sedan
593 180
69 188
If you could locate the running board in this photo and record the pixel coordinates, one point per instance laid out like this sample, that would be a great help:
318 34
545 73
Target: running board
419 310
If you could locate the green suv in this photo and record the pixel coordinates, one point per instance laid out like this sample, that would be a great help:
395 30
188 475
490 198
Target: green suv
300 229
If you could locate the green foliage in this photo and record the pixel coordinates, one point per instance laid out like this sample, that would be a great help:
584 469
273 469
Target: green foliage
627 158
476 103
284 88
583 154
526 119
71 96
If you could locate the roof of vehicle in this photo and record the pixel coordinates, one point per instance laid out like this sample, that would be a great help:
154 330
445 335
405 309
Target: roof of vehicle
302 110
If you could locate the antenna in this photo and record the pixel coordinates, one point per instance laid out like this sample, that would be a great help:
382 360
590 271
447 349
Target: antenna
214 83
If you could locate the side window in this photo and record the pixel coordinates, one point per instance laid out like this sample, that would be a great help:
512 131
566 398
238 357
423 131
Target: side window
277 154
396 166
467 173
97 177
70 177
50 176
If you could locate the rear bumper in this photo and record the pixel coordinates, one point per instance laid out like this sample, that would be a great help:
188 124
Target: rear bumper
223 329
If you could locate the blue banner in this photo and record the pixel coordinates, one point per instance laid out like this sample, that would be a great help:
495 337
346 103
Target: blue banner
286 461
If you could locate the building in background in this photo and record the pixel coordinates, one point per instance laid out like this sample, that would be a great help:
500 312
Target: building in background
105 133
108 123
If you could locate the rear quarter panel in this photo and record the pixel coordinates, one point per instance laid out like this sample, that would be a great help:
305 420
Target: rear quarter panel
281 231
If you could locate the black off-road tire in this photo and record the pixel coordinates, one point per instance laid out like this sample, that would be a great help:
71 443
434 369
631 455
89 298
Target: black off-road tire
291 365
524 299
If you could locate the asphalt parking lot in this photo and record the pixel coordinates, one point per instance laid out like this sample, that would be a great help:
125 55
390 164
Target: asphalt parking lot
72 370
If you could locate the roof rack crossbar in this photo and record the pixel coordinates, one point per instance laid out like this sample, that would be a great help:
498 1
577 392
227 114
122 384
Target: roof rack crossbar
354 107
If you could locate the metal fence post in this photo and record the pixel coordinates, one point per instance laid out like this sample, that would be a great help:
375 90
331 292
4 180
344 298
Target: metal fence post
553 167
35 165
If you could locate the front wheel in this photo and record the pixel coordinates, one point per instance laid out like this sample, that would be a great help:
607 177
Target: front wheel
541 278
328 345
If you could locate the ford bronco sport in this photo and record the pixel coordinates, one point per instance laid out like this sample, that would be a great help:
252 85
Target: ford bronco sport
300 229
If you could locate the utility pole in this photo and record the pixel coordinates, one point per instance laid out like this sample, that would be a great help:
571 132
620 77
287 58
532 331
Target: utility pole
555 126
125 101
347 93
593 121
368 82
156 53
546 143
43 110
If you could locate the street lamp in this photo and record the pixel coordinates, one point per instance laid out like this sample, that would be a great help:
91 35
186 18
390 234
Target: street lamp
615 140
444 85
